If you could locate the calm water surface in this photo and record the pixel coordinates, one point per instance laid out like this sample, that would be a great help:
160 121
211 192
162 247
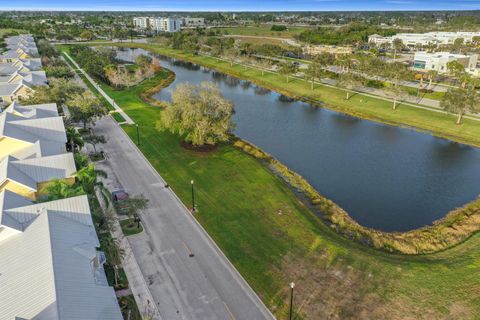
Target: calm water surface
385 177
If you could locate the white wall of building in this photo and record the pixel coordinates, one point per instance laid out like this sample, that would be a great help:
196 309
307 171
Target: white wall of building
438 61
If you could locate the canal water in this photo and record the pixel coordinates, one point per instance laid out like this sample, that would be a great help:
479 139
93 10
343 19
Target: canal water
388 178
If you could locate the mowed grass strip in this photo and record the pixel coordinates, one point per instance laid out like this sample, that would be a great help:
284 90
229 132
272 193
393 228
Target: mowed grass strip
272 238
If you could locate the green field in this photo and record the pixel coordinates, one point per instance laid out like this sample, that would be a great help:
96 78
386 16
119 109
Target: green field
261 31
272 238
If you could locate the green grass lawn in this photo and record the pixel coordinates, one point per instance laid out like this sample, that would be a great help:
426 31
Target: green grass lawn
261 31
272 238
118 117
438 124
129 227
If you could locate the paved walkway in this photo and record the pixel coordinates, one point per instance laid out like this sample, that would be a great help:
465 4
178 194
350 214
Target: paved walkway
128 120
203 286
137 284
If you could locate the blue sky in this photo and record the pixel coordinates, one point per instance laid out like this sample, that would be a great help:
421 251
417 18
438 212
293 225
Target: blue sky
240 5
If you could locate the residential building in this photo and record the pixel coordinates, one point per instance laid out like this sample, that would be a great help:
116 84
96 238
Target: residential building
158 24
50 267
10 92
424 61
143 22
31 131
29 177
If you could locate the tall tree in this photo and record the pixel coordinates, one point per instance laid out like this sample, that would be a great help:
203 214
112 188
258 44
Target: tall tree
199 113
86 108
397 45
133 207
350 81
461 101
74 139
287 69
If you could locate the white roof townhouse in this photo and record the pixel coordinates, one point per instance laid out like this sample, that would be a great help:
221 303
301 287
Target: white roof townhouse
31 78
50 267
30 131
28 177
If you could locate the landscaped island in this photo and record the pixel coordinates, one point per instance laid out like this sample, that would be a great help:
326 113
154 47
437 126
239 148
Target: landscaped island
273 238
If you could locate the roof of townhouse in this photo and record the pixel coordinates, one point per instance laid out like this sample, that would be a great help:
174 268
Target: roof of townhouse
50 266
21 65
9 89
32 78
35 111
33 64
30 172
46 135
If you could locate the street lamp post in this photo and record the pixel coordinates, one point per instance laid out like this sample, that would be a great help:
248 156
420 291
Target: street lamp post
292 285
193 197
138 135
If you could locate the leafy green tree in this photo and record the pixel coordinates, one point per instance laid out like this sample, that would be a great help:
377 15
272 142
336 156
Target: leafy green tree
86 108
60 189
87 35
288 69
397 45
94 140
457 70
313 72
133 207
396 93
199 113
461 101
350 81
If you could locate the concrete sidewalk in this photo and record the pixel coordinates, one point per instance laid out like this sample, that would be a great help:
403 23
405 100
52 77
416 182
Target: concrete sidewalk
137 284
128 120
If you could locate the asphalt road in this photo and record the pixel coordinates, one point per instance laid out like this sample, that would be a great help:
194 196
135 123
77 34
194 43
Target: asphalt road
205 286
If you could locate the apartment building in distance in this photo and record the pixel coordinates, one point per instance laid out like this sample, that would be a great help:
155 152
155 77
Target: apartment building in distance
158 24
423 39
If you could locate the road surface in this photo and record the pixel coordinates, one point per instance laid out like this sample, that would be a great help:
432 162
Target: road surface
205 286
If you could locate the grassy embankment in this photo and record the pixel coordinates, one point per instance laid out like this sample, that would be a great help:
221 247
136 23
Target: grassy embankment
439 124
272 238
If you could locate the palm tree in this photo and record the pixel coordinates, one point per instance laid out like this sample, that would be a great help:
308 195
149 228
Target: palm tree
288 68
74 139
60 189
313 72
396 93
432 75
461 101
114 254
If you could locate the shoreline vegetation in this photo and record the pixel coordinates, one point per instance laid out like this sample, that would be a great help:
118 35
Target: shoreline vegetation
275 238
455 227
